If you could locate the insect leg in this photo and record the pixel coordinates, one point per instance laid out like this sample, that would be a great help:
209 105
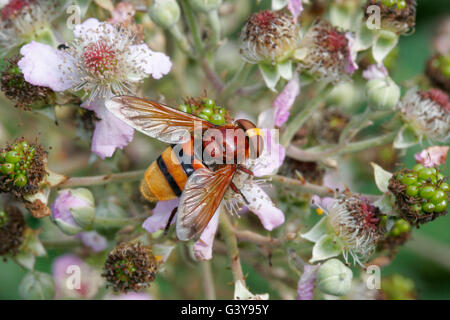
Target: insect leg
172 215
247 171
235 189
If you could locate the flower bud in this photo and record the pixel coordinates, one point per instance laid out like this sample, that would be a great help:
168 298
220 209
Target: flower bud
37 286
334 278
73 210
382 94
165 13
205 5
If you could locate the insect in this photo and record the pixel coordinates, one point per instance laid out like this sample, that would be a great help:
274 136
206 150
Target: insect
180 170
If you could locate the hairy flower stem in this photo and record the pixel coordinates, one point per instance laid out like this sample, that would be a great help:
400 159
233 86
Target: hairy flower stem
208 280
212 76
181 41
214 22
303 186
304 155
102 180
192 23
232 247
236 82
299 120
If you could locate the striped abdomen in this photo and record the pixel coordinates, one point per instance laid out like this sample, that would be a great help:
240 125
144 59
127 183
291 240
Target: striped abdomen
166 177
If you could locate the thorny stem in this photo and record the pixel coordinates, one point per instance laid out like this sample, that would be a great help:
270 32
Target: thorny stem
208 280
102 180
192 23
232 247
297 122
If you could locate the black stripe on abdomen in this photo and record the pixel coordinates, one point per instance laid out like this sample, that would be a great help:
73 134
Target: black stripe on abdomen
173 185
187 167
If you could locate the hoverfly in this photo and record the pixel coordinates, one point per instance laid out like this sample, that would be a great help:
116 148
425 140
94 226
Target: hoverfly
200 186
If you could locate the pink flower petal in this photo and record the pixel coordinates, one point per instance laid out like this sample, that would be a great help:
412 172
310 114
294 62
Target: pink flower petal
285 100
161 214
156 64
93 240
296 8
272 157
375 71
65 266
261 205
352 66
432 156
203 246
40 66
110 132
305 286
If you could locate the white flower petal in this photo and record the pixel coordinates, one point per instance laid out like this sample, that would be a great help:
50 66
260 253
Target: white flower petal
261 205
110 132
156 64
43 65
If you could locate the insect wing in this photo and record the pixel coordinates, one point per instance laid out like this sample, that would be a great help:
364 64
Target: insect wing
155 119
200 199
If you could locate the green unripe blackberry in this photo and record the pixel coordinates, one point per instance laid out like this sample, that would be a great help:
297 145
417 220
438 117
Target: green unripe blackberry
421 193
185 108
427 192
209 103
208 111
441 206
412 191
205 109
218 119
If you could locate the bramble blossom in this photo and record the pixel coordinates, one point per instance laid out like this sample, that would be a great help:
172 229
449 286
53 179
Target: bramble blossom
103 61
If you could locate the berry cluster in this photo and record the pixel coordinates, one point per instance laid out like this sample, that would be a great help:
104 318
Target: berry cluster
22 167
206 109
421 193
400 4
130 266
444 64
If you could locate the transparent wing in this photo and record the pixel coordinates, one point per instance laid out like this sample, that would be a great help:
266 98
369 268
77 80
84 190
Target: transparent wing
155 119
201 197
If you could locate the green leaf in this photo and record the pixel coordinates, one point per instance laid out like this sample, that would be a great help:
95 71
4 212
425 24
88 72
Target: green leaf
385 204
364 38
381 177
384 43
270 74
319 230
327 247
406 138
285 69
